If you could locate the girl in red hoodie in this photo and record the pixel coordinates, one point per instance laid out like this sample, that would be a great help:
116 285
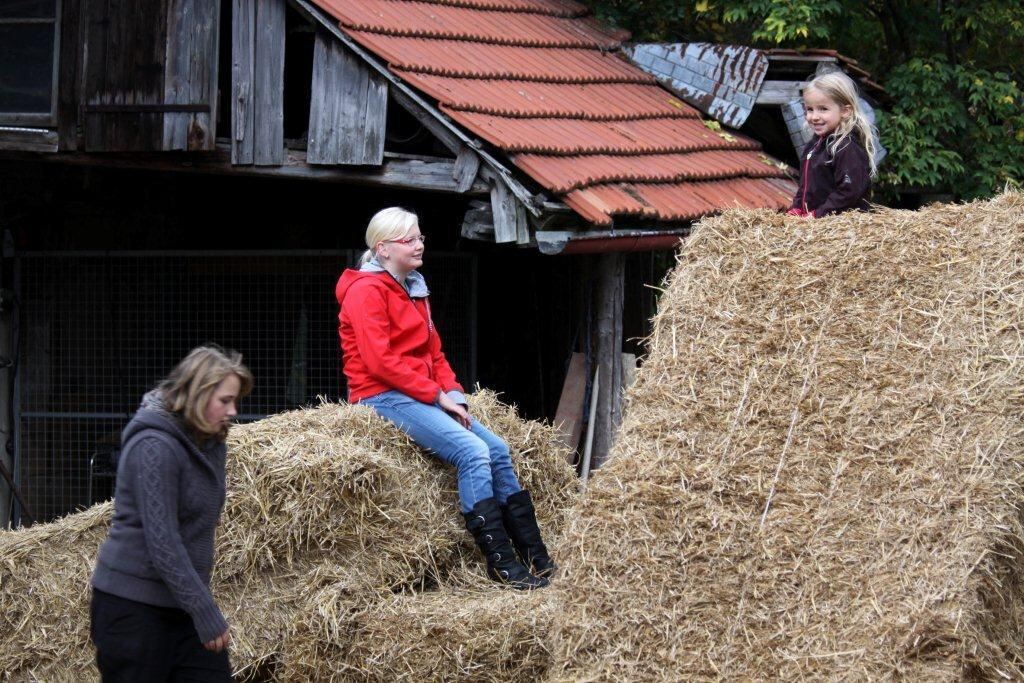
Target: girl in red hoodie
837 165
394 364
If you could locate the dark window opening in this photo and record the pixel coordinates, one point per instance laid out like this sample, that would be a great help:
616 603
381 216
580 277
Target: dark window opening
28 42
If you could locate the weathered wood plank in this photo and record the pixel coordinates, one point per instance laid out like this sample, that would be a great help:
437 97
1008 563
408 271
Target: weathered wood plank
478 222
28 140
347 109
503 208
190 73
522 225
123 67
243 57
778 92
69 79
445 131
268 83
467 163
569 415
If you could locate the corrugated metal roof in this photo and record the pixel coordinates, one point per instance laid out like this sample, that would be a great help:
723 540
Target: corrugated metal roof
542 82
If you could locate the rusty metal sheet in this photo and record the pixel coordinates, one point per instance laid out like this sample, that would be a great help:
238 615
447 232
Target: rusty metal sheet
720 80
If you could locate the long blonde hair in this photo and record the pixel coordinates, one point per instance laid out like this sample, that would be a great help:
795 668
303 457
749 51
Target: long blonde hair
189 386
839 88
387 224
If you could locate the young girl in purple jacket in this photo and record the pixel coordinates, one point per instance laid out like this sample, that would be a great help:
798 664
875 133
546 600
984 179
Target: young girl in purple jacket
838 164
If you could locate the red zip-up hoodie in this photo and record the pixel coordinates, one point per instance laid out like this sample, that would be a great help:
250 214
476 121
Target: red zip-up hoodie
388 340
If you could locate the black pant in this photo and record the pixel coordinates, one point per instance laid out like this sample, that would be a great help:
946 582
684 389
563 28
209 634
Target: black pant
139 642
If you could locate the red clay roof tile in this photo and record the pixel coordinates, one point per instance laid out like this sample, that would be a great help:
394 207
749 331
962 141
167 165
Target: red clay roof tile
427 20
595 102
469 59
566 173
677 201
583 123
555 8
574 136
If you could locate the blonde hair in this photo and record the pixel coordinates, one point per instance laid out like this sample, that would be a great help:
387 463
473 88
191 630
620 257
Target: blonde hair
190 385
839 88
387 224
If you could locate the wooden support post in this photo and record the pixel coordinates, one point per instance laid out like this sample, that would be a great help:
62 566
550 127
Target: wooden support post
467 163
505 212
607 307
347 109
69 88
257 82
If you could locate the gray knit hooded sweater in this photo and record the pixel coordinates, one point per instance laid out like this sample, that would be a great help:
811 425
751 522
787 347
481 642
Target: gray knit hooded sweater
167 504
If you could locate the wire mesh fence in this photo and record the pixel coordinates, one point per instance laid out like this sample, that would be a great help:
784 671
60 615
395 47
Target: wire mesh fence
96 331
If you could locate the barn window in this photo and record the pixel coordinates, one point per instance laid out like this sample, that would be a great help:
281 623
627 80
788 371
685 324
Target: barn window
28 63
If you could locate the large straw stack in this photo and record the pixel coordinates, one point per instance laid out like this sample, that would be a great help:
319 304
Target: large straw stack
819 473
330 512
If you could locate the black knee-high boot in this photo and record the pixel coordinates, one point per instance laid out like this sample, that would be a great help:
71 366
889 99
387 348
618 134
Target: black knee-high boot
521 522
484 523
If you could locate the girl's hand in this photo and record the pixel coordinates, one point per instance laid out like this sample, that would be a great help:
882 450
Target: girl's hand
457 411
218 643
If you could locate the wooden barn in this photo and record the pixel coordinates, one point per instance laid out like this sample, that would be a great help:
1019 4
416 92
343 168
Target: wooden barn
181 171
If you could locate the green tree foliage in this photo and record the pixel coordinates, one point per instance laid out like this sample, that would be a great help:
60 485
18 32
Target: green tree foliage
952 69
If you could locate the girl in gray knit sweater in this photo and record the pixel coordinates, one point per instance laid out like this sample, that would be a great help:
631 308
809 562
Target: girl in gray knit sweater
153 616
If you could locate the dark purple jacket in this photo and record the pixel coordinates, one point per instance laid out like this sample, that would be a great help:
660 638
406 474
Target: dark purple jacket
833 183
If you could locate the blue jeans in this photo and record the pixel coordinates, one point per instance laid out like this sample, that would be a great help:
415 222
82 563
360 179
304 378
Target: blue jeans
481 459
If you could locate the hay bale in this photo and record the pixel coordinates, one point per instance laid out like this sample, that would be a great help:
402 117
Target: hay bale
44 606
819 472
481 634
330 501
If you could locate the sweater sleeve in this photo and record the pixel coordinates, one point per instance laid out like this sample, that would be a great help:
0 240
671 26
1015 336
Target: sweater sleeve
366 308
157 477
851 180
798 196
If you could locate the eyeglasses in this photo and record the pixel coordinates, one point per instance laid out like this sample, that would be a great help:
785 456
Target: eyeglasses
422 239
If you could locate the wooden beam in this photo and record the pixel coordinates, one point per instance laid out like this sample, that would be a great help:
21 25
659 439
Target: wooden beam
444 130
348 107
607 330
410 174
190 73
